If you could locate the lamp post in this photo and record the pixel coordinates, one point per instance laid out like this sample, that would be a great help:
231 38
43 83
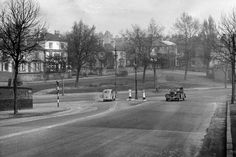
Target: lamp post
154 58
135 76
115 69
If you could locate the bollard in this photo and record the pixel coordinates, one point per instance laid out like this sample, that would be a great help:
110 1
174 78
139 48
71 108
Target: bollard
144 95
57 88
130 94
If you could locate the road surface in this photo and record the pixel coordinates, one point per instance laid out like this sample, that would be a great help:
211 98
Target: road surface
153 128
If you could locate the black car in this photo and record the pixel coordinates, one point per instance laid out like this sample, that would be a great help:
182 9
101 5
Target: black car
175 94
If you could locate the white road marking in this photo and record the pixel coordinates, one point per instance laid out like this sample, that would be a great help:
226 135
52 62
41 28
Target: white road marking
63 113
56 125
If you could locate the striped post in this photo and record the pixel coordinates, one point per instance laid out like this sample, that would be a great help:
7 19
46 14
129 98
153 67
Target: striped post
130 94
144 95
58 100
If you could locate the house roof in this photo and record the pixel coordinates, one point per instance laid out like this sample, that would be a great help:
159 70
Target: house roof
168 43
39 47
157 43
52 37
120 44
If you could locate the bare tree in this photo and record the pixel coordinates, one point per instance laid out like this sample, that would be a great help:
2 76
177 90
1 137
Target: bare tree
135 45
219 60
188 28
136 40
225 67
228 34
208 38
19 33
154 33
82 42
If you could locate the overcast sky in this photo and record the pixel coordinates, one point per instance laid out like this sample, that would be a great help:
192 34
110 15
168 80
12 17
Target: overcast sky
117 15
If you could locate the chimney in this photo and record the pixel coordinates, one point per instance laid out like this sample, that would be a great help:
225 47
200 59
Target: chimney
57 32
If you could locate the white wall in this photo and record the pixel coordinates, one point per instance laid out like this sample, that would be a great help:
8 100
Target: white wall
55 45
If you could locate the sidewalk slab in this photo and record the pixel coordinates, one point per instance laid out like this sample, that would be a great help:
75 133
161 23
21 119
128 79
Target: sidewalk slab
233 127
229 145
37 110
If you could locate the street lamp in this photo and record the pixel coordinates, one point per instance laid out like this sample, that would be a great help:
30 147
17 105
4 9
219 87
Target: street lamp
115 69
154 58
135 76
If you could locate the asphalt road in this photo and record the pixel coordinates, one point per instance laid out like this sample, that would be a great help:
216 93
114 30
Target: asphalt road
153 128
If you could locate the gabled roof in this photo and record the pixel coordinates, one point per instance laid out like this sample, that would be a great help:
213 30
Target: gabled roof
168 43
120 45
157 43
38 48
52 37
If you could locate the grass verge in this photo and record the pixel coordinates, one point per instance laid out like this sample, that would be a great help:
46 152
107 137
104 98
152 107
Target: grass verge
214 143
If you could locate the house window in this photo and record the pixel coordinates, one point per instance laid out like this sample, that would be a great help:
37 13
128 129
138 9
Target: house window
37 55
29 67
50 45
62 46
36 66
6 67
23 67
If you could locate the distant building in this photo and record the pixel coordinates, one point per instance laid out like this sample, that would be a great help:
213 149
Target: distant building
111 44
49 56
121 58
167 51
198 60
55 53
5 65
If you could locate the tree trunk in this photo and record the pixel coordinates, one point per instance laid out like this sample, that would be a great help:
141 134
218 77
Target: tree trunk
186 71
233 71
77 76
225 79
186 67
207 69
144 73
44 67
63 83
101 69
233 83
155 76
15 88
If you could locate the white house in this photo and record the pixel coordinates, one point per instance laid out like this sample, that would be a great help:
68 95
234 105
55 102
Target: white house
54 50
49 56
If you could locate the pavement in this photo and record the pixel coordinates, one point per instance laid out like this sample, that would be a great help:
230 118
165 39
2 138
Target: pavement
46 110
37 110
231 130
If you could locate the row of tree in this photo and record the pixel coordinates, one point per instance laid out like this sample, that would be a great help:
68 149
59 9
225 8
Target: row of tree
217 42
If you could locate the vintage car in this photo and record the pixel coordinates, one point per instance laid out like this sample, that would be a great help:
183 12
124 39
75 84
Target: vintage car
108 95
175 94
